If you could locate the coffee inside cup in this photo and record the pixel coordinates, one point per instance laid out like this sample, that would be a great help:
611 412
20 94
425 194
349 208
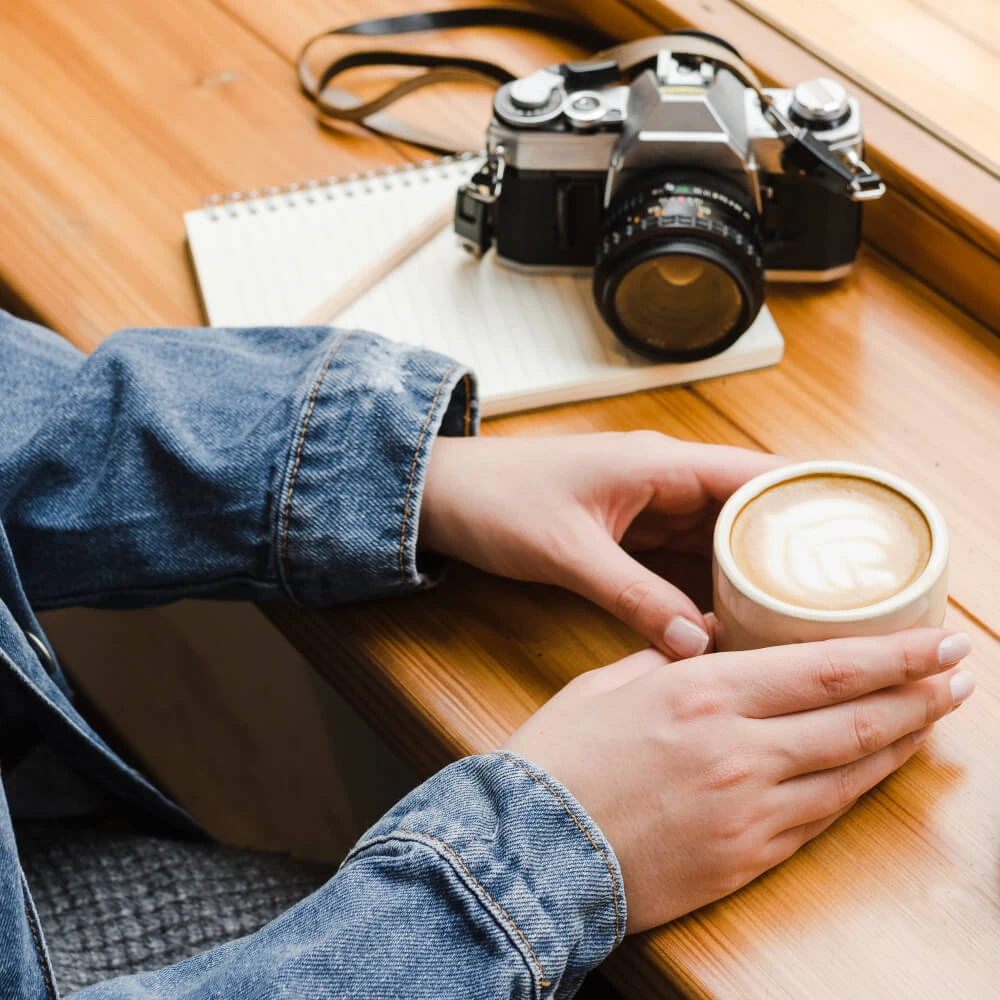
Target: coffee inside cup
831 542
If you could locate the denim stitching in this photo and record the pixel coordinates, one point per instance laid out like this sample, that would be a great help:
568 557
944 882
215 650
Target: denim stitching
413 472
49 989
298 452
569 812
482 889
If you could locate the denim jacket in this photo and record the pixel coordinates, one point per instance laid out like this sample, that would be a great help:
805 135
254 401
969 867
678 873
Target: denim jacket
258 464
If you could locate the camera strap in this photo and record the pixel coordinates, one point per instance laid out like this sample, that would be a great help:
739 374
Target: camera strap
336 104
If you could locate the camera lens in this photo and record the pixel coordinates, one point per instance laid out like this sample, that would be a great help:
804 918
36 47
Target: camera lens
679 274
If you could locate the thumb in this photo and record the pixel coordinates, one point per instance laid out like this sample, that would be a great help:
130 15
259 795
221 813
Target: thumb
612 579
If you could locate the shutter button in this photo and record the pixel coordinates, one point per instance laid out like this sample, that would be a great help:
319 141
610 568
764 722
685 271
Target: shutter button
42 652
820 103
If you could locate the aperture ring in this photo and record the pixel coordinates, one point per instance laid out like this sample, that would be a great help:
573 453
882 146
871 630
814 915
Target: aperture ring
657 223
725 202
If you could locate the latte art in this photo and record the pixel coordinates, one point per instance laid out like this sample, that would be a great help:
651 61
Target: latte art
831 542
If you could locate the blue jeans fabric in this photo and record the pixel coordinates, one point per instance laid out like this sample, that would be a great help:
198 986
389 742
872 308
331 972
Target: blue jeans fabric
258 464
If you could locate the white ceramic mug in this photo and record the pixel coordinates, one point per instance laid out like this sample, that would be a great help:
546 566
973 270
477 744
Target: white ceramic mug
750 618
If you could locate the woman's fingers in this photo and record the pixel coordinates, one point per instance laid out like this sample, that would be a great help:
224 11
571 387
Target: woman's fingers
810 797
607 575
839 734
786 843
786 679
722 469
832 755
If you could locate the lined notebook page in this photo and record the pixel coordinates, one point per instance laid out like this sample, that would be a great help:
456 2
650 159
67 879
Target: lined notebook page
270 259
532 339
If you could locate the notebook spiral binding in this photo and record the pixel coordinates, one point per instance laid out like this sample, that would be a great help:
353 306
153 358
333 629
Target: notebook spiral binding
237 203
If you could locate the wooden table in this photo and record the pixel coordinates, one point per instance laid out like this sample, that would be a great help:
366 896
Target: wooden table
116 116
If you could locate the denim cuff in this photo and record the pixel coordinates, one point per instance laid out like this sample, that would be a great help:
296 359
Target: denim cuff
518 841
349 506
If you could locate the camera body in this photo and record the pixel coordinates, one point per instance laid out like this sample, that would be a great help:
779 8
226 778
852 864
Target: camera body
583 168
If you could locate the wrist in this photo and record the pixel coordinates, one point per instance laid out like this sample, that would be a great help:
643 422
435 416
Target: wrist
441 489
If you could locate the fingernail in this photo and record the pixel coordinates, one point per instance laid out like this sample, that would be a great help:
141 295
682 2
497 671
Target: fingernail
954 648
684 638
962 685
921 734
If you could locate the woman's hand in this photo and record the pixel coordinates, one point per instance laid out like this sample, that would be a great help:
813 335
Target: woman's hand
568 510
705 775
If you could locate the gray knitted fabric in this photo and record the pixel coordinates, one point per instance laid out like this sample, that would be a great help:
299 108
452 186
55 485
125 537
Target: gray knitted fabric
114 903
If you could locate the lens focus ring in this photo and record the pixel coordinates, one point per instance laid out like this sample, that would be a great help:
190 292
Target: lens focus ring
679 272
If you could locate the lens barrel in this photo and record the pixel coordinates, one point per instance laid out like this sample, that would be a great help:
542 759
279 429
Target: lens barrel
679 273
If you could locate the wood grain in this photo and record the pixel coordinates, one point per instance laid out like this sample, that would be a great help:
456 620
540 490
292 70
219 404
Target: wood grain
938 60
117 117
132 117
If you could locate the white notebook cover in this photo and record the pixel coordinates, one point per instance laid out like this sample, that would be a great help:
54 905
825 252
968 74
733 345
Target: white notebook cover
532 339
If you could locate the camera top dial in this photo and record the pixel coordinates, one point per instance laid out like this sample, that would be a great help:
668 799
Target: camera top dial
531 100
820 104
550 97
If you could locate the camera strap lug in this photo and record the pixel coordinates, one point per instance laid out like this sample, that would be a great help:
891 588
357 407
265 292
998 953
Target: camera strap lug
867 185
474 204
848 174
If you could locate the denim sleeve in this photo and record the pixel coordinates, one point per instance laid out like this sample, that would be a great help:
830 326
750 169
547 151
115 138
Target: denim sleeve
487 882
250 463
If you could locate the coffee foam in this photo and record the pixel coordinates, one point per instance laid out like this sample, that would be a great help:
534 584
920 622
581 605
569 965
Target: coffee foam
831 542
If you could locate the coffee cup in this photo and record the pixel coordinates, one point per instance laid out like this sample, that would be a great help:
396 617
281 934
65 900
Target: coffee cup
823 550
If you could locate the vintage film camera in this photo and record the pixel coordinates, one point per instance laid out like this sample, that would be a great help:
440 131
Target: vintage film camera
683 188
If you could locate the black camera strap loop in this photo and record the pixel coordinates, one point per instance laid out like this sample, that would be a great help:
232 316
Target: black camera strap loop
334 104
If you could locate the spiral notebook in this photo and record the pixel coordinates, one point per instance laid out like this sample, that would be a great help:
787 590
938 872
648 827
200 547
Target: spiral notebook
533 339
